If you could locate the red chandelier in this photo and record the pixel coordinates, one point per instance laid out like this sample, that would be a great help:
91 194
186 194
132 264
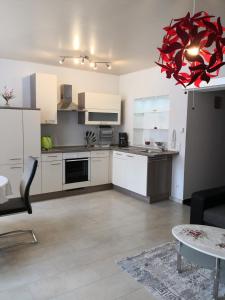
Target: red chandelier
192 49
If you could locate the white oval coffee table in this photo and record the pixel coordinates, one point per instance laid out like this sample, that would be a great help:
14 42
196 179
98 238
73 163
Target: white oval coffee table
203 245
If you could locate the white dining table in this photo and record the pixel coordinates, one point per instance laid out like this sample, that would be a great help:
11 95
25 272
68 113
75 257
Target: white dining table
5 189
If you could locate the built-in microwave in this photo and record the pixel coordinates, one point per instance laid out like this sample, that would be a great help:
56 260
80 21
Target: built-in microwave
99 117
76 170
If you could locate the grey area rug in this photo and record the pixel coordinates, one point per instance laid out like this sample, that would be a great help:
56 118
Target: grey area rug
156 270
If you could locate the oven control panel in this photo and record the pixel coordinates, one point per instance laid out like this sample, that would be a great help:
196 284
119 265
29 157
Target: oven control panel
71 155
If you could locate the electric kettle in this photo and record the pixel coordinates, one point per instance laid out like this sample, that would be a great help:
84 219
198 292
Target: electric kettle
46 142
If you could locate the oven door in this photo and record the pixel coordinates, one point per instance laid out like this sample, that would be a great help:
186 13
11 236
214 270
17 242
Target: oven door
76 173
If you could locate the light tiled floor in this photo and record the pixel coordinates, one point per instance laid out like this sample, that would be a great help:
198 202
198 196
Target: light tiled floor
80 238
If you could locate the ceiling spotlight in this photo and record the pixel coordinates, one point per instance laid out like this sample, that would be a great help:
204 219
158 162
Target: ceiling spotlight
92 64
109 66
76 60
95 66
82 61
62 59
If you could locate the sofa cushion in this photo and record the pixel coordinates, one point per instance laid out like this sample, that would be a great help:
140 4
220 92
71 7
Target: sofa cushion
215 216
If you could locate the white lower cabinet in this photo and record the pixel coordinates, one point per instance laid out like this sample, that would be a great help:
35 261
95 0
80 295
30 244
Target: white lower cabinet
99 167
14 174
136 173
130 172
119 172
51 176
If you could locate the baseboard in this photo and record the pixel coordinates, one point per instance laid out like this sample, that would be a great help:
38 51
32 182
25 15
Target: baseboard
130 193
68 193
177 200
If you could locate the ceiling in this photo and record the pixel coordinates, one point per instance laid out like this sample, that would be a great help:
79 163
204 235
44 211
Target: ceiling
126 32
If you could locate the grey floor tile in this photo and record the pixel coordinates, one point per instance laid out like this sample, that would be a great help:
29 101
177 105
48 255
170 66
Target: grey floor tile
80 240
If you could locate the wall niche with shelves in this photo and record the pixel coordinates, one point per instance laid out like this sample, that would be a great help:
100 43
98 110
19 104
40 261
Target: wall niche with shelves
151 119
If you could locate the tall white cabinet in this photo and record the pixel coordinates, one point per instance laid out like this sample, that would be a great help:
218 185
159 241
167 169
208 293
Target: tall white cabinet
44 96
31 144
20 138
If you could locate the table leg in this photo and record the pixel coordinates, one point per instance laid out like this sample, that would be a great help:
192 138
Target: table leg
179 258
216 279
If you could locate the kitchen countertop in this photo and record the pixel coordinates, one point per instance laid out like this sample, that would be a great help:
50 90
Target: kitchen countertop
130 149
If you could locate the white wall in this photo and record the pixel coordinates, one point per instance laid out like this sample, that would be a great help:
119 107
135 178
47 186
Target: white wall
205 143
16 75
151 82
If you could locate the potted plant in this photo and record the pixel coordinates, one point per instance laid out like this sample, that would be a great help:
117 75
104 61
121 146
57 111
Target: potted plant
7 94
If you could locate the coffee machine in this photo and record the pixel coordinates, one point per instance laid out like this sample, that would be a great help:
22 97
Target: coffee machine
123 139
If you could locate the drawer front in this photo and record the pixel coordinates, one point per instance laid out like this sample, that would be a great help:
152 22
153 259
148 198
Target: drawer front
51 156
100 153
118 154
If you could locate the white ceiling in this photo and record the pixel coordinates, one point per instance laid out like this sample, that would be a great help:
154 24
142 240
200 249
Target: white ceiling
126 32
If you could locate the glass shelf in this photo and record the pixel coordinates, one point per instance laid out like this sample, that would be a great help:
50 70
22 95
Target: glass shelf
151 119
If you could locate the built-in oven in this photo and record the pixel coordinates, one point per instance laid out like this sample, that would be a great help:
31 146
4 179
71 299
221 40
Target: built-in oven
76 170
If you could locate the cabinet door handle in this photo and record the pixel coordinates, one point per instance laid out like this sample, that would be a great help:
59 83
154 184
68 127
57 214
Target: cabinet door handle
15 158
130 156
16 168
52 155
56 164
118 154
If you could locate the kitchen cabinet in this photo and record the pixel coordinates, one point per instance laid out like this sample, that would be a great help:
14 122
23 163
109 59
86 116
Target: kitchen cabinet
99 109
31 133
20 138
32 144
11 151
130 172
36 187
99 167
44 96
14 174
136 173
51 176
99 101
119 169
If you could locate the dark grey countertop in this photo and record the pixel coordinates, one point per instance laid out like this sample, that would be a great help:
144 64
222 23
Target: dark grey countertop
17 108
130 149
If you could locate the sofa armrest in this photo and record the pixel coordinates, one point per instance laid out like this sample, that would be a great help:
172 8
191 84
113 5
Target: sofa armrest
205 199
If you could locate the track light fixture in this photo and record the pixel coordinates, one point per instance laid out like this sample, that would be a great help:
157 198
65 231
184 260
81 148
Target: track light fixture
83 58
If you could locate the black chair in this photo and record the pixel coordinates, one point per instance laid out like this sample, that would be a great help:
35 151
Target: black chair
208 207
19 205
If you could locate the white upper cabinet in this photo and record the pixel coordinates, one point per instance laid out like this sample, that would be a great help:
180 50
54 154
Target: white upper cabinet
44 96
99 101
99 109
32 133
11 150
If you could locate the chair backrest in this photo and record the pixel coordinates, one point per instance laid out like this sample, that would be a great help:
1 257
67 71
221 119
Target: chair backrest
27 178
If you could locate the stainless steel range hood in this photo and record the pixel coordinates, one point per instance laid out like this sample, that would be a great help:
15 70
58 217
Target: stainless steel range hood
66 96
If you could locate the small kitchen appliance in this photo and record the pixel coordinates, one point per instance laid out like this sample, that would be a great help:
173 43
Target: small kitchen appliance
46 143
123 139
105 135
